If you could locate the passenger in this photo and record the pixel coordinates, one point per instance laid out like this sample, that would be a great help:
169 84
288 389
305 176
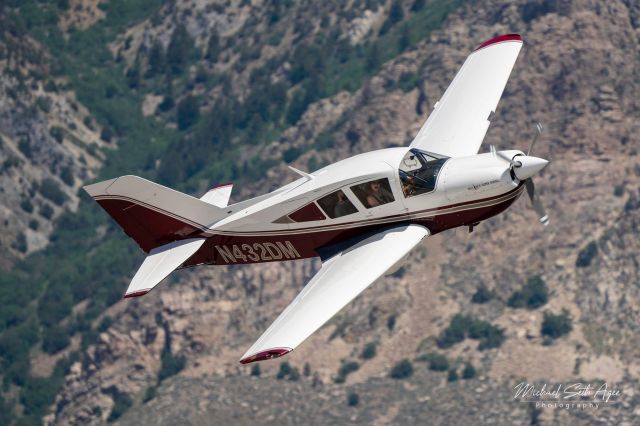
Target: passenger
342 207
408 185
377 195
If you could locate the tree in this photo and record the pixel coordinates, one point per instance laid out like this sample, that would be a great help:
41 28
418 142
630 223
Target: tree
179 49
402 370
532 295
556 326
369 351
353 399
469 372
213 47
187 113
157 60
482 295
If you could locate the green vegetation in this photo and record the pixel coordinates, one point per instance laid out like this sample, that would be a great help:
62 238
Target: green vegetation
39 293
369 351
284 371
462 326
587 254
482 295
556 326
345 369
469 371
532 295
122 402
452 376
352 399
255 370
402 370
437 362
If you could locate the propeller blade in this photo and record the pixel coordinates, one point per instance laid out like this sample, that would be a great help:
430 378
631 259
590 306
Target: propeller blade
535 137
512 162
535 202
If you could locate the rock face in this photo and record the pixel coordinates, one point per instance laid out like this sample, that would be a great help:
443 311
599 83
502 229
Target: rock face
49 145
578 75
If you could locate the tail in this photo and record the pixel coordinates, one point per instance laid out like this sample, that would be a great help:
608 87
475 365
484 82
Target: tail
151 214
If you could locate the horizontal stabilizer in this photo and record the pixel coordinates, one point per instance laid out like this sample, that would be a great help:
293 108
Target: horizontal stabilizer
218 196
160 263
152 214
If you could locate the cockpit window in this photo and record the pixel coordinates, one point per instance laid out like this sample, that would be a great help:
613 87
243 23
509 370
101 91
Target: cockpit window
336 205
374 193
419 172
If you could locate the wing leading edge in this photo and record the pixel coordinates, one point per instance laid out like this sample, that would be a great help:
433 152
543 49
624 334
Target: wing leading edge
459 121
341 278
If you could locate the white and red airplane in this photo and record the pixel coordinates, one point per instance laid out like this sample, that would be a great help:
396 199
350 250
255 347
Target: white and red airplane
361 215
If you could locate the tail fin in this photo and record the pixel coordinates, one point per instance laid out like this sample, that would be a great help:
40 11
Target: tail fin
160 263
153 215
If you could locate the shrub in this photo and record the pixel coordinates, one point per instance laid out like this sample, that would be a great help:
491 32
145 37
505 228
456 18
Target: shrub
121 403
284 371
106 134
34 224
55 339
171 365
46 211
391 322
345 369
555 326
50 190
255 370
20 243
532 295
294 374
187 112
150 393
587 254
402 370
462 326
353 399
452 376
291 154
306 370
26 205
468 372
66 174
437 362
454 333
369 350
482 295
618 190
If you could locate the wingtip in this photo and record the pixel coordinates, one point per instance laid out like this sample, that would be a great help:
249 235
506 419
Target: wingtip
500 39
265 355
137 293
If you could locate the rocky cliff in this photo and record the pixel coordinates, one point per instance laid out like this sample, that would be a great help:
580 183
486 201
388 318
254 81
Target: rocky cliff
172 356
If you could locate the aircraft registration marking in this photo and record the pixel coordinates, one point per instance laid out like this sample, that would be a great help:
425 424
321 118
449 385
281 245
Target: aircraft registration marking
258 252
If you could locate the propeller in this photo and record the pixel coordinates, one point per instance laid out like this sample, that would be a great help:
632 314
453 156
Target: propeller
524 168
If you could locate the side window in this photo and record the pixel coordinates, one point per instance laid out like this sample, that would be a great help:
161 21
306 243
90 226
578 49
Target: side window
336 205
374 193
308 213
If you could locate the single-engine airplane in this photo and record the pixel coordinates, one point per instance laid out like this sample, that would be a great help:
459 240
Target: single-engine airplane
361 216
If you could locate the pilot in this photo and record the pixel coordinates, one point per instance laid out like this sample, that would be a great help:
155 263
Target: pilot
377 195
342 206
408 185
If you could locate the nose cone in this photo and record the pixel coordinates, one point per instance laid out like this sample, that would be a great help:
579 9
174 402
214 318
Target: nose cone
529 166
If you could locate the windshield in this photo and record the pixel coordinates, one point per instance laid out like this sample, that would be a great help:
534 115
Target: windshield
419 172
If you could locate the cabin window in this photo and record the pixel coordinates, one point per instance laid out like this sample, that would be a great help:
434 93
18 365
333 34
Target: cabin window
374 193
336 205
308 213
419 172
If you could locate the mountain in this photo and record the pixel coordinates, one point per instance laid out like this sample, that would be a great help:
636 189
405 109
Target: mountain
194 93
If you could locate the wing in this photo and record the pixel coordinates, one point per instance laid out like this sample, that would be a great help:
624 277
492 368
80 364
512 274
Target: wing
460 120
342 277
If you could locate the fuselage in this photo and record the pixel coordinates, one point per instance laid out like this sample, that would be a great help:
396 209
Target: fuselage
358 195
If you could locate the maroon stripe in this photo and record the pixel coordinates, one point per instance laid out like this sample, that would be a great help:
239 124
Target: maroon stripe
264 355
499 39
307 244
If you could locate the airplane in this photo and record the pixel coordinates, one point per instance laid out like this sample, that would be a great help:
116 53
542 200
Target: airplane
361 216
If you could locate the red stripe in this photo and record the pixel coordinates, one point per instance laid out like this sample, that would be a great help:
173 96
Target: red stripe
264 355
137 293
500 39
